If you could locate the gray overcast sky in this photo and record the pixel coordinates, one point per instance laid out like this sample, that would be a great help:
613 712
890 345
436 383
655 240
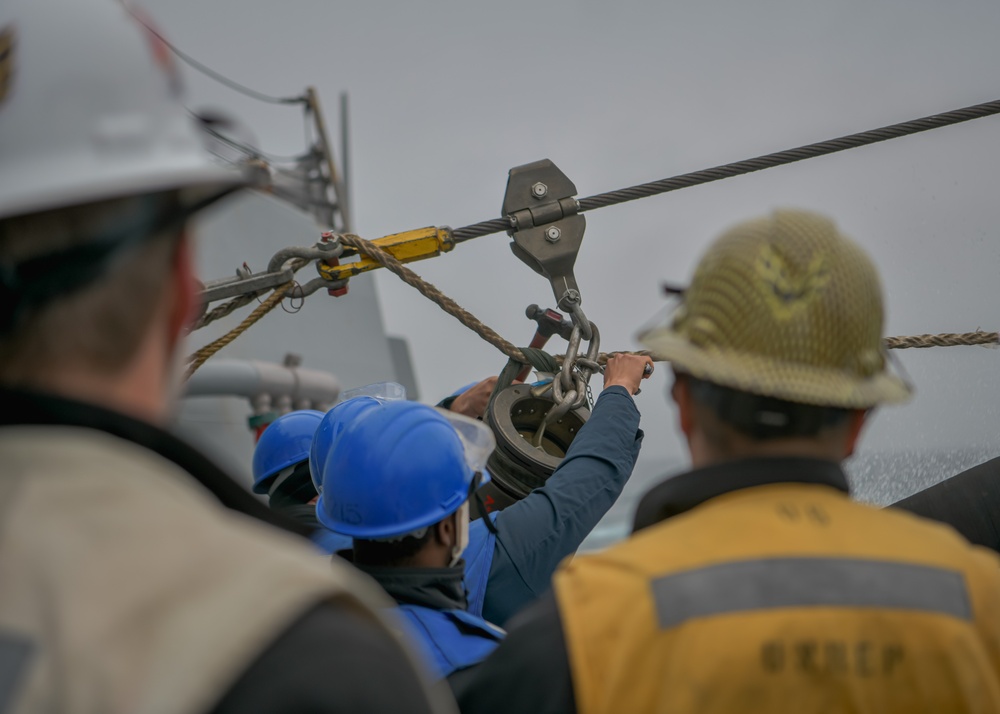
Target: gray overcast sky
448 95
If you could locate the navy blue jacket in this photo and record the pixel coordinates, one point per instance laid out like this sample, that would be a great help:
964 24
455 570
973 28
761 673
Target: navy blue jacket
537 532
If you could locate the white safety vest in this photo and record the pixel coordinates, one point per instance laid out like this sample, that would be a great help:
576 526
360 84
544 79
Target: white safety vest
125 587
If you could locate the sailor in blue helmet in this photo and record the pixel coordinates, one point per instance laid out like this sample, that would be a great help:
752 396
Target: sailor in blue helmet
398 480
281 468
329 430
281 472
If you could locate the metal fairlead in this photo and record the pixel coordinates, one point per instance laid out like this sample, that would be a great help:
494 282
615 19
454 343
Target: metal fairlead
517 466
547 230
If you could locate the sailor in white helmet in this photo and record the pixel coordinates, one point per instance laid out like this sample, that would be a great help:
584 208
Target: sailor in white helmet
134 575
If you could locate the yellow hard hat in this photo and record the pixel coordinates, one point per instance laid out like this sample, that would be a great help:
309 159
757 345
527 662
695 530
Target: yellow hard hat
786 307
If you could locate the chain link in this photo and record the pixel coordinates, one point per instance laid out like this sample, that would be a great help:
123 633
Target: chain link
571 387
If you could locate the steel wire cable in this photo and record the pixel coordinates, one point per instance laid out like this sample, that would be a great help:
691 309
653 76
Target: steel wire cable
611 198
780 158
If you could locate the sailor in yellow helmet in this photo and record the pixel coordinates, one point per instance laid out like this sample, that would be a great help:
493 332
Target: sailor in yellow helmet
754 583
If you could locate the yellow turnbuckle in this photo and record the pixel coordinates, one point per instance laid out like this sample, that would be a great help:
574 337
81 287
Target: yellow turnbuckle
405 247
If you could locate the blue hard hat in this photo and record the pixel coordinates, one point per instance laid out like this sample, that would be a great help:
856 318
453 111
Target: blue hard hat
330 428
399 467
285 442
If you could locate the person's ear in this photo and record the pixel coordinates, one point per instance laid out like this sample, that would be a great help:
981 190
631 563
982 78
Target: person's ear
445 531
856 422
681 394
184 290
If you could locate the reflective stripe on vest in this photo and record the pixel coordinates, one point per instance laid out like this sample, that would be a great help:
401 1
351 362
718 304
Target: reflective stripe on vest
450 640
808 582
786 599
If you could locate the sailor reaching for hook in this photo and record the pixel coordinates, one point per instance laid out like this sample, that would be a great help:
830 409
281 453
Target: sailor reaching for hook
397 477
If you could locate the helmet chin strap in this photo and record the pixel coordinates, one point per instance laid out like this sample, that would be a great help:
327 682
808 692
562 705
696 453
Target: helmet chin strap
461 534
305 514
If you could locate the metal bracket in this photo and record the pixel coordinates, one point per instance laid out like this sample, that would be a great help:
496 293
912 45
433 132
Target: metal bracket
546 227
278 273
243 283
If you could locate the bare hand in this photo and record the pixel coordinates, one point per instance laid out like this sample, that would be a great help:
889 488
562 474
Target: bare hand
472 402
627 371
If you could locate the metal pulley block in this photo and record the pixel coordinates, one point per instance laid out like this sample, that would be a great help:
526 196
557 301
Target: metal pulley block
518 467
547 228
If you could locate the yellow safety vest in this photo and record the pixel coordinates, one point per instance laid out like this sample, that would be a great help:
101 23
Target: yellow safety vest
125 588
784 598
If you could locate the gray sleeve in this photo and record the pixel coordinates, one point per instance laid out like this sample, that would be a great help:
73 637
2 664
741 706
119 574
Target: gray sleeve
329 661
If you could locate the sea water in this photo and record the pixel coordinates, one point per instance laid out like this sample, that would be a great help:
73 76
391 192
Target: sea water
879 478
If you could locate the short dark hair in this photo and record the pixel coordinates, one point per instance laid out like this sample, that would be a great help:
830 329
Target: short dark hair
390 554
102 324
762 418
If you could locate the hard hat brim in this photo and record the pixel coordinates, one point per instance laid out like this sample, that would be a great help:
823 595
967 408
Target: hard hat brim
196 185
794 382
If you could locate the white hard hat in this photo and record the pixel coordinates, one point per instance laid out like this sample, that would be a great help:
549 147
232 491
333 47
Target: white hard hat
89 110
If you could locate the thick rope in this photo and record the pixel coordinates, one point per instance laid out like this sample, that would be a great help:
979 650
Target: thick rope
947 339
429 291
759 163
228 308
224 310
201 356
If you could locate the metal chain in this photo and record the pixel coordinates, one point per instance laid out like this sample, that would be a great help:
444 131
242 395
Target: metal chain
571 387
747 166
